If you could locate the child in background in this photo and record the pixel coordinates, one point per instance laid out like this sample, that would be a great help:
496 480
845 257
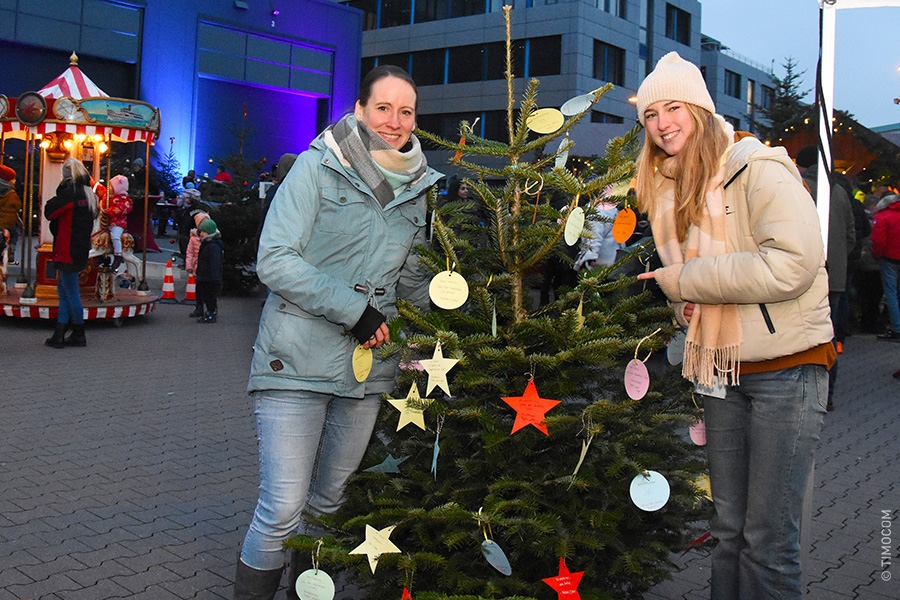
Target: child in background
190 253
209 270
116 208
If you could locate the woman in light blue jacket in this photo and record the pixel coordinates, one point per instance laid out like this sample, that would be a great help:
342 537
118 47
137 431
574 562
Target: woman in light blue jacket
336 251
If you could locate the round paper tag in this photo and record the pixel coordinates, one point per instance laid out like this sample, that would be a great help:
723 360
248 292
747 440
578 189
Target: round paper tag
637 379
578 104
496 557
315 585
698 433
448 290
362 363
649 491
545 120
574 226
624 225
675 348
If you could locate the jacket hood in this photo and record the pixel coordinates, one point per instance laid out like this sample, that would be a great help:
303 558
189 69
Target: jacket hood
749 149
891 201
119 185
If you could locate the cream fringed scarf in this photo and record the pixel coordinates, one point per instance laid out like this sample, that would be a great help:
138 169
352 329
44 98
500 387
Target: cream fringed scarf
713 340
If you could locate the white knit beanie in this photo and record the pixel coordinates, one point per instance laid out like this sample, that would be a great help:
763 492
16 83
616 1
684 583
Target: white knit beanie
674 79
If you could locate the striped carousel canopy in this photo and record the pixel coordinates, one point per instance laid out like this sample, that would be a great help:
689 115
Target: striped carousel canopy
75 104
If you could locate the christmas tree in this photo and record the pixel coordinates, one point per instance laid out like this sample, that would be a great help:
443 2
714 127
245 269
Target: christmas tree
170 173
511 474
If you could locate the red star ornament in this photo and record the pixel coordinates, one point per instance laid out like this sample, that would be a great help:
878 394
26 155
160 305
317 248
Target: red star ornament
530 408
565 584
405 595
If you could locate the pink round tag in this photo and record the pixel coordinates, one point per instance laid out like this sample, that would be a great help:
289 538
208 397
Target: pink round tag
698 433
637 379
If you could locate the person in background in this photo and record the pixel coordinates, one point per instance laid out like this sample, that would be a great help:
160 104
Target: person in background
191 177
191 254
841 241
209 270
116 208
188 204
744 271
336 251
71 214
278 174
886 248
10 205
222 176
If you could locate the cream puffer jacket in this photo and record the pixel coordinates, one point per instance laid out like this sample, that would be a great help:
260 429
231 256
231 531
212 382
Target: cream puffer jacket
775 265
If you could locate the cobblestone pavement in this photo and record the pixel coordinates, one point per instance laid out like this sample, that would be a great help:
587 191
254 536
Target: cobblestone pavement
128 468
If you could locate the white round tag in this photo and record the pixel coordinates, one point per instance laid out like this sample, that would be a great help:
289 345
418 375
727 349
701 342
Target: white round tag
563 156
315 585
448 290
649 491
637 379
578 104
574 226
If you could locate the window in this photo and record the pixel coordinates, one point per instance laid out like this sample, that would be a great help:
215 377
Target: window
370 12
618 8
768 94
464 8
735 122
544 56
602 117
465 63
732 84
398 60
428 67
751 97
495 59
395 12
609 63
678 25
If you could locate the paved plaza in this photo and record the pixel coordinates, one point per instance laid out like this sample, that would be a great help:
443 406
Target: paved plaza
128 468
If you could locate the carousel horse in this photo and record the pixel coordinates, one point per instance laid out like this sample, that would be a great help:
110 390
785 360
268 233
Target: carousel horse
102 250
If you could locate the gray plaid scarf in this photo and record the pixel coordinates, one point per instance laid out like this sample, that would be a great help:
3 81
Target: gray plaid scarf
363 150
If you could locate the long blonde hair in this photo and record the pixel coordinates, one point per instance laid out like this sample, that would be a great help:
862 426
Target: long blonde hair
74 170
695 166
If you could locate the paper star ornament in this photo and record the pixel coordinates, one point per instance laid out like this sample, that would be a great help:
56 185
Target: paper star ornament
565 584
377 543
388 465
530 408
412 408
437 367
406 595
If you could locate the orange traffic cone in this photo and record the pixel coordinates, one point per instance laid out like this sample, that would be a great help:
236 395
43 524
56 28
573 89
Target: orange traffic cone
190 292
168 290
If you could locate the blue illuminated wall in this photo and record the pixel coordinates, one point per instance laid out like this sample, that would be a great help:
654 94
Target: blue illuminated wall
199 61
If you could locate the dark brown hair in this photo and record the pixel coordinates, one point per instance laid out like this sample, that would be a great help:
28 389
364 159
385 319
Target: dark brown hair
380 72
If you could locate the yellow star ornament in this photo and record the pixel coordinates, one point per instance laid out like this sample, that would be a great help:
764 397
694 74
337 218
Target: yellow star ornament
377 543
437 368
412 408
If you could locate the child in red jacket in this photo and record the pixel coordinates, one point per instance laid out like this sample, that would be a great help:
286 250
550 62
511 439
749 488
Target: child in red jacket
116 208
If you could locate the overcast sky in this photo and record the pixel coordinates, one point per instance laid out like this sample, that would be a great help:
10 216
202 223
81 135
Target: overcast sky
867 49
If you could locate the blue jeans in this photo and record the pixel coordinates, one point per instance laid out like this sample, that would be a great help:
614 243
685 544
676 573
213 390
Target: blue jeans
309 446
761 443
890 279
70 308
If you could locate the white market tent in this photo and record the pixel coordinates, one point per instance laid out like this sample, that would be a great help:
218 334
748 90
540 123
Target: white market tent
825 94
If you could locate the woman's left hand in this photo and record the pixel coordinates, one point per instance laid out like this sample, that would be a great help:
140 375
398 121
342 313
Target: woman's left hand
647 275
381 337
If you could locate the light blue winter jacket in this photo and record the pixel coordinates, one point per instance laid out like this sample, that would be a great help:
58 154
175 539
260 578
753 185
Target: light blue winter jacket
324 235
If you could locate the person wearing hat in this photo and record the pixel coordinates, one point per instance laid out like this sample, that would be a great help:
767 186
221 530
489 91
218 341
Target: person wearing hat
209 270
744 271
10 205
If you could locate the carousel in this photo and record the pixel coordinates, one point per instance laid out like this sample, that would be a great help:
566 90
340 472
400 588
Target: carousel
71 117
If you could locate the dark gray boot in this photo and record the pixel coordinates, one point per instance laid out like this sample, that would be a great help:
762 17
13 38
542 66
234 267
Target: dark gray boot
77 337
253 584
57 340
300 562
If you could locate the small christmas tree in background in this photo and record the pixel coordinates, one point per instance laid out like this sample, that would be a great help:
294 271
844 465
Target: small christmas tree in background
170 173
517 481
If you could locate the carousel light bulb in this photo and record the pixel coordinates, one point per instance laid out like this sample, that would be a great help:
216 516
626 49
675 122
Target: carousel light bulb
102 148
45 144
67 144
98 137
79 137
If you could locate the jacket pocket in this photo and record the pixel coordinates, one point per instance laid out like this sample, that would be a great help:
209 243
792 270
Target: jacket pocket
294 343
342 211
